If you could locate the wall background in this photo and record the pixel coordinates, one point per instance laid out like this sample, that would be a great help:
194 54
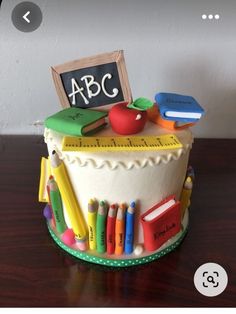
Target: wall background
168 47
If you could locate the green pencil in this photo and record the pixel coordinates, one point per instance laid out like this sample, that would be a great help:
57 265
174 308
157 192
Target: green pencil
56 203
101 227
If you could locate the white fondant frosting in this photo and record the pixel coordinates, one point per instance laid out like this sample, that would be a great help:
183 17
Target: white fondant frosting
144 176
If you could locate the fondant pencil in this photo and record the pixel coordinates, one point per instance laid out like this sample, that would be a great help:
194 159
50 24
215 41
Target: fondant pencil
53 221
101 227
92 217
185 195
57 207
129 229
190 173
120 230
111 223
70 201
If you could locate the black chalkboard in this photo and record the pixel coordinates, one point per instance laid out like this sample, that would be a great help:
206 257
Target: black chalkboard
93 82
93 76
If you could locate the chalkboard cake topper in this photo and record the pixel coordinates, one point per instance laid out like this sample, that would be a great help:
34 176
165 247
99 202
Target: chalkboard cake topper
92 82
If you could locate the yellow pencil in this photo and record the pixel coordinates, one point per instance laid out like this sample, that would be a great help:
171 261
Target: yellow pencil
92 219
69 199
120 230
185 195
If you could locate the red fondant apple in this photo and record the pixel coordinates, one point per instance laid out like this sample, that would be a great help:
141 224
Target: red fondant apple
126 121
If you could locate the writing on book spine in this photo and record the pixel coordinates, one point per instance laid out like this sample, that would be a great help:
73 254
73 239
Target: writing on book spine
160 223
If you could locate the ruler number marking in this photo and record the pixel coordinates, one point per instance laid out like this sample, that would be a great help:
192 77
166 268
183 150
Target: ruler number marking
121 143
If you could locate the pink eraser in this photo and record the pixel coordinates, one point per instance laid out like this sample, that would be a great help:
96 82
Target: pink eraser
53 224
68 237
81 245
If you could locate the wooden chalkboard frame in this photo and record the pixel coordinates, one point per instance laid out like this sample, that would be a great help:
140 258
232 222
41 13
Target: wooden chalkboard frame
115 56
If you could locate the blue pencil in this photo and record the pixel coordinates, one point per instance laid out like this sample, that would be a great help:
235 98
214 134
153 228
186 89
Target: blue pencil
129 229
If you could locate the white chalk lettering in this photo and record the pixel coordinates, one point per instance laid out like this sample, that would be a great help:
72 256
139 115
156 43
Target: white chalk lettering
89 81
75 90
115 90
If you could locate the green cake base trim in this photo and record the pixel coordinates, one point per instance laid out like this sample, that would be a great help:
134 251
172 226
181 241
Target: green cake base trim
117 262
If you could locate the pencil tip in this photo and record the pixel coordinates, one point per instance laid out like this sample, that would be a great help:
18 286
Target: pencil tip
132 204
91 201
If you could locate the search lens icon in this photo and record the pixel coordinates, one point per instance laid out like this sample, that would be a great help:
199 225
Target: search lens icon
211 279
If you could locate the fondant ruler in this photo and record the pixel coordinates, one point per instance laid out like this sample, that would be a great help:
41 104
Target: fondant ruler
121 143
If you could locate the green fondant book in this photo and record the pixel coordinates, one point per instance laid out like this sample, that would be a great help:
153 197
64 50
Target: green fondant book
76 121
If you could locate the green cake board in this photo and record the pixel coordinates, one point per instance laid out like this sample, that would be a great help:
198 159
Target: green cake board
86 256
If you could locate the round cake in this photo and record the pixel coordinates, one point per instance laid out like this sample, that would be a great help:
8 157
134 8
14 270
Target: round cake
151 180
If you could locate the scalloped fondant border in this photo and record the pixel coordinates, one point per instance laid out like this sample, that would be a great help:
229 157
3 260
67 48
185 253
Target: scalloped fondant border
150 161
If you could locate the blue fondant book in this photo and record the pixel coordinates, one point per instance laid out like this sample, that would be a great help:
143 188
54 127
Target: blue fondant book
177 107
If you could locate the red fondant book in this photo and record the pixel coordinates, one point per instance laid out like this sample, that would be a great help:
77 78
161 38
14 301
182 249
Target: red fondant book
160 223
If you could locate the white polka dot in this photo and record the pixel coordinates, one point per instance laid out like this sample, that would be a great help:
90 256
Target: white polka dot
210 16
204 16
217 16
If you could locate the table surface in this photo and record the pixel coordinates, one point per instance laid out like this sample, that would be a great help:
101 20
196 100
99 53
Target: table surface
34 272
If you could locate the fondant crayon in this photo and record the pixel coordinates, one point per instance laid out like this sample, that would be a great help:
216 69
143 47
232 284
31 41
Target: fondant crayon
101 227
186 195
120 230
70 201
129 229
92 217
111 223
56 204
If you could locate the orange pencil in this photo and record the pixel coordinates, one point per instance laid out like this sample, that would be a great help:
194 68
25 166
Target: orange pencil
120 230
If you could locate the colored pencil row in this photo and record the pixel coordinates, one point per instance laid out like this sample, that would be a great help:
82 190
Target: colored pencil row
111 230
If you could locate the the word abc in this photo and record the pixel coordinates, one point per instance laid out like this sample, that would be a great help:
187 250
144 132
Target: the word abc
89 82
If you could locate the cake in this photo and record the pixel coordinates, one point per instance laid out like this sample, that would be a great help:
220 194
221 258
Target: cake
146 192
